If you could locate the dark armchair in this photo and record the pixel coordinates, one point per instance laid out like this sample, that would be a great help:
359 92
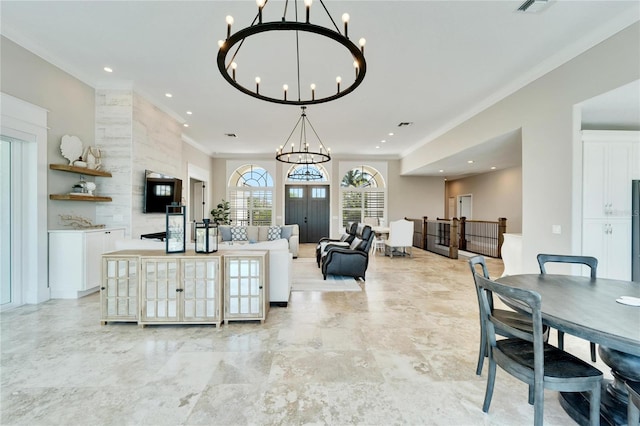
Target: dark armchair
344 241
350 261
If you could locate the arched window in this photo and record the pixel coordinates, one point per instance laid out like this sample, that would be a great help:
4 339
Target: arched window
307 173
251 196
363 194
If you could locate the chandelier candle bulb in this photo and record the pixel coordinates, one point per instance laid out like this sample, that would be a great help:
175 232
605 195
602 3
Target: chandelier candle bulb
257 84
285 87
307 4
362 42
313 91
233 70
338 81
345 19
260 4
220 43
229 20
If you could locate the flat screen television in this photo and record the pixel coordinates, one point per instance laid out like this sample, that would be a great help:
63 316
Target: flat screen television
160 191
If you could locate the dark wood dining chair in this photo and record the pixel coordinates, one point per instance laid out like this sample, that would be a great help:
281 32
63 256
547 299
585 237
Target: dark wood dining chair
589 261
514 319
528 358
633 409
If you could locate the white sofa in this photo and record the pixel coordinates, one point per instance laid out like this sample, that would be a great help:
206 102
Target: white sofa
256 234
280 261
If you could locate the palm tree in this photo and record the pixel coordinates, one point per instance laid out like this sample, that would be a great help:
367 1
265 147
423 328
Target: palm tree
353 178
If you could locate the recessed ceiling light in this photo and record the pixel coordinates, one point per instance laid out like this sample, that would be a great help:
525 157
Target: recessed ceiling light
168 95
391 134
185 125
377 147
493 167
441 171
189 112
383 141
107 69
470 161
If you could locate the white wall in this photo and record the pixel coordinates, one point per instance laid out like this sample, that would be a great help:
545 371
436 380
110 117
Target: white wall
496 194
71 105
544 112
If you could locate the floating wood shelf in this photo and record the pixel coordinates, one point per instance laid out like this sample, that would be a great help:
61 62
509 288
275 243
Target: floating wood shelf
67 197
79 170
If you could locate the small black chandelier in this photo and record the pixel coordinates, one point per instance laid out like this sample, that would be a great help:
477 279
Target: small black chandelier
229 68
302 154
305 172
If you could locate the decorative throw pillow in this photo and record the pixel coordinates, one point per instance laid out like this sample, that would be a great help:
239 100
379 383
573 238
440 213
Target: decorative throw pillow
239 233
344 237
286 231
274 233
355 243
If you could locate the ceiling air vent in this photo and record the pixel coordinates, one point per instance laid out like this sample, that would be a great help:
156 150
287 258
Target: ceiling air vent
533 6
405 124
231 135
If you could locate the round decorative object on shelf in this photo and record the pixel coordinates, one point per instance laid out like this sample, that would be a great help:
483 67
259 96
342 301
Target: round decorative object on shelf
71 148
90 187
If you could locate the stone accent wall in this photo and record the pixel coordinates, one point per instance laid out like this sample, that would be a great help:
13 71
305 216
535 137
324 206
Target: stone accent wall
133 135
114 137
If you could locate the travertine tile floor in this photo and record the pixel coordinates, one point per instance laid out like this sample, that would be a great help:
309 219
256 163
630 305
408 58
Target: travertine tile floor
400 352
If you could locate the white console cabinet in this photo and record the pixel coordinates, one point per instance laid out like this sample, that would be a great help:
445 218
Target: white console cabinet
75 260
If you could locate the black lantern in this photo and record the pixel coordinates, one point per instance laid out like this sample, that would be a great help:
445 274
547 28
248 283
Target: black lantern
206 237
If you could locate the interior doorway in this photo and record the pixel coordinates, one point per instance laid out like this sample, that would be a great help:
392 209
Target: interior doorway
14 159
6 291
465 206
308 206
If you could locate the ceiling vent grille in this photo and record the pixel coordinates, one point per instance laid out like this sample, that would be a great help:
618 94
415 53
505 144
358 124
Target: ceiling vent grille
405 124
533 6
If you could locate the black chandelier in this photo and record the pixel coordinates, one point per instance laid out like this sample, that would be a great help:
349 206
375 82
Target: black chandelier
305 172
230 69
302 154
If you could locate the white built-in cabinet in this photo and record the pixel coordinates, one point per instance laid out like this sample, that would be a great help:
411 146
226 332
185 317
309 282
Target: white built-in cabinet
611 160
75 260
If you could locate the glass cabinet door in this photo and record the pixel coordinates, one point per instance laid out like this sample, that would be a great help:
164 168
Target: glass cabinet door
200 295
244 282
160 290
119 291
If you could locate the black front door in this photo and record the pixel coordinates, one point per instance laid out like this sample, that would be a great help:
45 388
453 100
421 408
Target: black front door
308 206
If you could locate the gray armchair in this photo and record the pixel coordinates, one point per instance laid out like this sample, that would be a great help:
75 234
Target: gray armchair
350 261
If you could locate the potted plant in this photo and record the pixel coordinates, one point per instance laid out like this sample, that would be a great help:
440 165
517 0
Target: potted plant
221 213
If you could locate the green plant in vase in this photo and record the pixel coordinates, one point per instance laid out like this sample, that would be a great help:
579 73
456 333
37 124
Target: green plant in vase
221 213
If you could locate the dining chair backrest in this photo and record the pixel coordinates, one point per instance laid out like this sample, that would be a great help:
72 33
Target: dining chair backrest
400 233
589 261
529 301
474 262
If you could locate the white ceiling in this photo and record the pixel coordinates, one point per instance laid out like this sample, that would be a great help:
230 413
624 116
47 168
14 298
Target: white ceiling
432 63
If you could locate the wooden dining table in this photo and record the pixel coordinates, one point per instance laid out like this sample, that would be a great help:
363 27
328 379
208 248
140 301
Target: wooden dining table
588 308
